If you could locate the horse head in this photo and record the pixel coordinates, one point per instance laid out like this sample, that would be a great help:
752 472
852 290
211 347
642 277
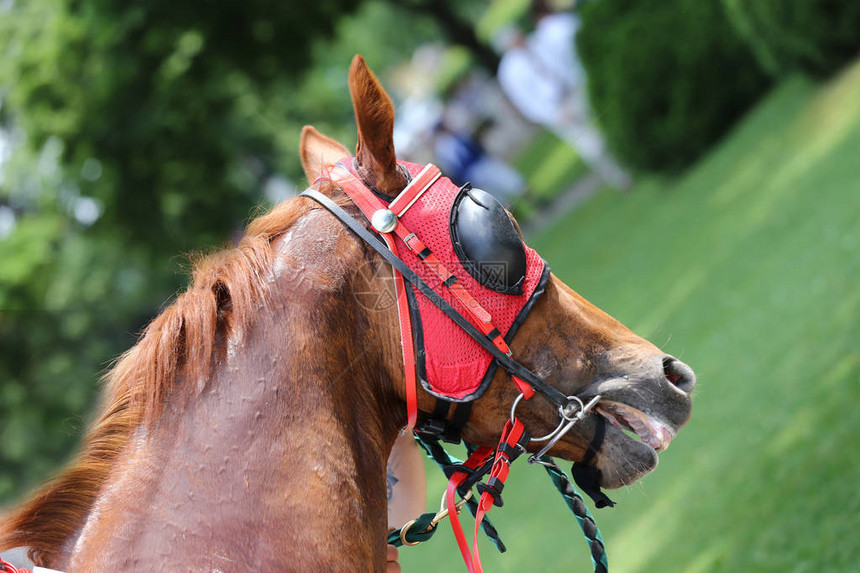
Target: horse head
260 407
565 340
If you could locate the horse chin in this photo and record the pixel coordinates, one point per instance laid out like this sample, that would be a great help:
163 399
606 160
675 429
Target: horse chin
622 457
622 460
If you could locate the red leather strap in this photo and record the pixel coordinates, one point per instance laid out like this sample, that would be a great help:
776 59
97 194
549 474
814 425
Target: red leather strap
479 517
366 201
478 458
511 435
526 389
407 342
440 270
421 183
369 204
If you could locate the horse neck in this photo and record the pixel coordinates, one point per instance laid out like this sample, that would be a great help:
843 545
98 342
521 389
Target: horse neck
283 449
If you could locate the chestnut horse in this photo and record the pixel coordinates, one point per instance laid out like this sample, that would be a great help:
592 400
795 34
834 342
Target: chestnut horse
249 427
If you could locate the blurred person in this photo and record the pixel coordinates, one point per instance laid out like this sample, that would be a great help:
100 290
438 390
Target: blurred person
463 159
544 79
407 490
17 558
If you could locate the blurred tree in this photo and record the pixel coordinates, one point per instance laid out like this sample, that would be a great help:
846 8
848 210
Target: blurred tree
665 79
814 36
161 95
456 25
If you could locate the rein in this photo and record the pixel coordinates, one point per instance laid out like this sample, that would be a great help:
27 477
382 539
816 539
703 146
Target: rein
385 221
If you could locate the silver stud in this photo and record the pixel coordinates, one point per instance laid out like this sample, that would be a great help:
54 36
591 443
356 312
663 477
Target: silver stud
384 221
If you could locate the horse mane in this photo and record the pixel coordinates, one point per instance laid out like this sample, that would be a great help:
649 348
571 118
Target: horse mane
178 346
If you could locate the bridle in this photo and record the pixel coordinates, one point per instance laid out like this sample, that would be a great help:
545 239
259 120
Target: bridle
488 337
388 235
477 323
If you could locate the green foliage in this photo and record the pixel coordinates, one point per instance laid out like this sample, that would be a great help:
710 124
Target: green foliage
163 95
666 79
813 36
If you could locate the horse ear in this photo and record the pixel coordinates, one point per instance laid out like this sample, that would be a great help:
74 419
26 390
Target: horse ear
374 114
318 151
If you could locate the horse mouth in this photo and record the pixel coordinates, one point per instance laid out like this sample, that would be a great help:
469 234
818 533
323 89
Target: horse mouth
636 425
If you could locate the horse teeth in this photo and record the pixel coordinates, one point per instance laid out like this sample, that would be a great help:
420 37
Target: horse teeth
665 439
647 429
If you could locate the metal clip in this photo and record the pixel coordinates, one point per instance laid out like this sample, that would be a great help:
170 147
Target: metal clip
443 508
440 515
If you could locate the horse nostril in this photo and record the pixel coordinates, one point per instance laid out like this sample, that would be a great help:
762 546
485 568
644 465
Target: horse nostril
679 374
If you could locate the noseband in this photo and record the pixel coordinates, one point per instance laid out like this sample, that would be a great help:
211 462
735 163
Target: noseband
493 262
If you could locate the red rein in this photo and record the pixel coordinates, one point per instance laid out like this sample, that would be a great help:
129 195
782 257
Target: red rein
511 445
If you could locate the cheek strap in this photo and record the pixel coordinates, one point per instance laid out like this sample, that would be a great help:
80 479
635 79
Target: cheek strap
521 375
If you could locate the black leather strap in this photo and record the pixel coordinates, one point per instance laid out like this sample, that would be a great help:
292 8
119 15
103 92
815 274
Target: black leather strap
588 477
511 366
453 431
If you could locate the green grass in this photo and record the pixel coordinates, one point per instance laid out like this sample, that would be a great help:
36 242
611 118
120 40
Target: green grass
747 268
